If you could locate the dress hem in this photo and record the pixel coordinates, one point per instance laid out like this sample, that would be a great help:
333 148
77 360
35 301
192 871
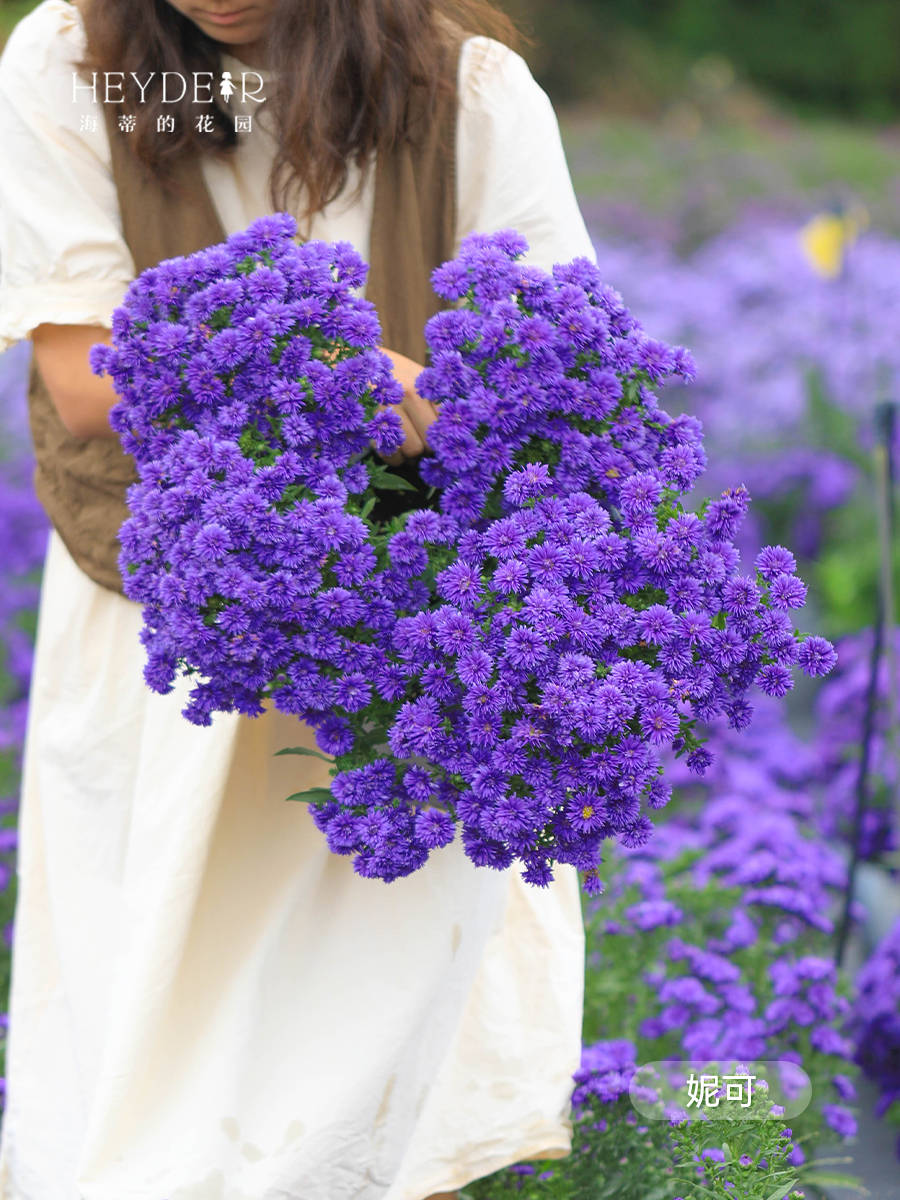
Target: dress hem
553 1143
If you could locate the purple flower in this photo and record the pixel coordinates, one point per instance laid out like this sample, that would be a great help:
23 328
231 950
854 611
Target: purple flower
816 656
786 592
700 760
774 561
527 484
650 914
435 828
840 1119
844 1087
775 680
334 736
639 495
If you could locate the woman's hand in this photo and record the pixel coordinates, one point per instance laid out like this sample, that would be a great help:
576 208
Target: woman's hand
416 414
82 399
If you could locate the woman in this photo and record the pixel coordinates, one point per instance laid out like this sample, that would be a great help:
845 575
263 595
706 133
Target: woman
206 1003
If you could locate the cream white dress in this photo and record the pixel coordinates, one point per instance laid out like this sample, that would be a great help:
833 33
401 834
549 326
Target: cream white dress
206 1003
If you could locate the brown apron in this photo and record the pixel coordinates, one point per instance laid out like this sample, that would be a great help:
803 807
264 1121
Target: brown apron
81 482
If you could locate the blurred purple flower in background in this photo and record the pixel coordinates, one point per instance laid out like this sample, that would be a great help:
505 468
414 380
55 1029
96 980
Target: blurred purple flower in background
774 343
23 539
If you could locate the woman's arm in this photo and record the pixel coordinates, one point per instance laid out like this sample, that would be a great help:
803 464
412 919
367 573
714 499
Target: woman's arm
83 400
511 165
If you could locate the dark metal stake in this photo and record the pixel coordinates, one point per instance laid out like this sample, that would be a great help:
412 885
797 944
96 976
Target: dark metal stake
885 419
862 787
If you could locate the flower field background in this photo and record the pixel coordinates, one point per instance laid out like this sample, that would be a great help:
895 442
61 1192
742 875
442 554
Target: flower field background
717 938
770 249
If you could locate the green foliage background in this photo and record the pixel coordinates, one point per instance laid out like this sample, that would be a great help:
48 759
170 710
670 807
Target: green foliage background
12 11
830 56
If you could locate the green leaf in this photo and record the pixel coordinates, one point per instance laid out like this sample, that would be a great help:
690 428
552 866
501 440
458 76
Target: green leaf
392 483
304 750
317 795
781 1192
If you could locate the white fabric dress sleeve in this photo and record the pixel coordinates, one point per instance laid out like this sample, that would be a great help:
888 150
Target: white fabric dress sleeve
511 166
63 259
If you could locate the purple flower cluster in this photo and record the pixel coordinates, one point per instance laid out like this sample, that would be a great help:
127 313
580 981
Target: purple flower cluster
23 541
606 1071
746 890
785 879
588 621
805 998
250 385
555 371
705 996
605 1083
782 872
774 339
527 650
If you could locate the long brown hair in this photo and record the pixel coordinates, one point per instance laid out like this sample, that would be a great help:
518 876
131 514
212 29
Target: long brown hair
344 76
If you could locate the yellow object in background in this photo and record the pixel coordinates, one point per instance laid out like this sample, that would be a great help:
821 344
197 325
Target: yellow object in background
829 235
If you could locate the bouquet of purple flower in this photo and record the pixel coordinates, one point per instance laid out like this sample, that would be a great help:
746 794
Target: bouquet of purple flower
509 661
